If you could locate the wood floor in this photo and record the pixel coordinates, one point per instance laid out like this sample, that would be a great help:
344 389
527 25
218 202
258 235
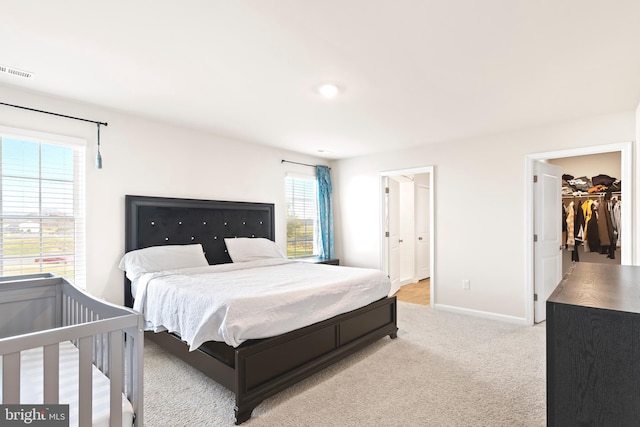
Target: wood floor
416 293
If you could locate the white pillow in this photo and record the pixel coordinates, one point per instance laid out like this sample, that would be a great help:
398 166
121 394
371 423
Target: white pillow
159 258
243 249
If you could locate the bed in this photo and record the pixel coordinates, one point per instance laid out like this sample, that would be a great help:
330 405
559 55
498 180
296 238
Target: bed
60 346
256 368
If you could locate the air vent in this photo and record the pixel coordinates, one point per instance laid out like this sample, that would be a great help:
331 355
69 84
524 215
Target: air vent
15 72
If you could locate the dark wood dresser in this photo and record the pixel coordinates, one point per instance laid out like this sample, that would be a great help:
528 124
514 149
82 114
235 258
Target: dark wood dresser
593 347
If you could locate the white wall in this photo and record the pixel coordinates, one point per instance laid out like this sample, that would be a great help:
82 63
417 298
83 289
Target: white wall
148 158
479 207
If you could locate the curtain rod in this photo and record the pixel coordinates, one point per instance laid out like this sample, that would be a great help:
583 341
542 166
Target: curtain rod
54 114
298 163
98 156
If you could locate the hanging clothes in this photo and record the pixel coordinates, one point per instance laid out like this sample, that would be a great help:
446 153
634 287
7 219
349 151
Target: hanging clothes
564 226
610 205
570 221
592 231
587 213
605 212
578 231
617 213
605 229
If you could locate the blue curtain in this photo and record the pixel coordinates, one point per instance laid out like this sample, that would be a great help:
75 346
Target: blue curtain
325 212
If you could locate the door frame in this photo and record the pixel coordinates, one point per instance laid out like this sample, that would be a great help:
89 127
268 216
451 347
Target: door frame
432 231
626 167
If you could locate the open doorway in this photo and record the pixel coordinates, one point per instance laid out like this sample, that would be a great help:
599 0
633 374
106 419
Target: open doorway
407 213
536 286
578 173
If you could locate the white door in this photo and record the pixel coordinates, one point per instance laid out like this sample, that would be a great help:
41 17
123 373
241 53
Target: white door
393 240
547 234
423 268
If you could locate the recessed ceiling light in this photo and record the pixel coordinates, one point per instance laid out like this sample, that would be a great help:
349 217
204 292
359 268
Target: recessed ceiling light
329 90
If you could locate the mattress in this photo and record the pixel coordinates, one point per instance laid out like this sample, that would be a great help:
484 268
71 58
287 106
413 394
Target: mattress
236 302
31 385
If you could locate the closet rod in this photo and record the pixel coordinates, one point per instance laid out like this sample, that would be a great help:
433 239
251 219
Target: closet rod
298 163
591 195
54 114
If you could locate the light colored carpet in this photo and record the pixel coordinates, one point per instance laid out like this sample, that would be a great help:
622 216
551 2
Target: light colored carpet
444 369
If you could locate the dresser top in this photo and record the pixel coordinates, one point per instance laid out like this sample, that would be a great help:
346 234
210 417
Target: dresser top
605 286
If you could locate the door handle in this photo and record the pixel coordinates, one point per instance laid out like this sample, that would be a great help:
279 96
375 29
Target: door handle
400 240
419 238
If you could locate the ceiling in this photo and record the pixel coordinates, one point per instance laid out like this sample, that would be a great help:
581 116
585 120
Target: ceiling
413 72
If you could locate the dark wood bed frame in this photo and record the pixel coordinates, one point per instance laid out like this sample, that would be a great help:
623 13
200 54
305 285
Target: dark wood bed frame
260 368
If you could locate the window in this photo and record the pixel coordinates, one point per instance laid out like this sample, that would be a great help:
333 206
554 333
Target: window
42 206
302 216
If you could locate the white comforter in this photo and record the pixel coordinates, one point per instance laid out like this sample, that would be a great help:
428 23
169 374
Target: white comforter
250 300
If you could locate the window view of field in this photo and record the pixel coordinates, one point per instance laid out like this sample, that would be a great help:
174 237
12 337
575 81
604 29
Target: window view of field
35 247
299 237
38 222
301 217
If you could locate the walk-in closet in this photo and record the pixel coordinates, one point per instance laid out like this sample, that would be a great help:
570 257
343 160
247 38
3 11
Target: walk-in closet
591 208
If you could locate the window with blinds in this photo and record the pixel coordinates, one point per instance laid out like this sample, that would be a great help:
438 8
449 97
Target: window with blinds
42 204
302 215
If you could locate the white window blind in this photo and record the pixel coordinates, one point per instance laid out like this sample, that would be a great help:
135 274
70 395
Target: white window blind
42 207
302 215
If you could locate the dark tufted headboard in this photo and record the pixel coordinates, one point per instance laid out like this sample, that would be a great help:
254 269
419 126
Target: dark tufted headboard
155 221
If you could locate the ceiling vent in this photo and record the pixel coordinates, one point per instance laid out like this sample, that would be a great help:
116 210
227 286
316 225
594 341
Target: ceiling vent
15 72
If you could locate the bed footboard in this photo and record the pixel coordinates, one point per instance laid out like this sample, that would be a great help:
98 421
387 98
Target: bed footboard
45 310
266 367
271 366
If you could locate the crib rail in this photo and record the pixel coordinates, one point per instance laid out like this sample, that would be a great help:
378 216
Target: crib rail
107 336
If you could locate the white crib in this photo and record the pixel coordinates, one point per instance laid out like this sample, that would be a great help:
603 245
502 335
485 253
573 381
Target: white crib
48 325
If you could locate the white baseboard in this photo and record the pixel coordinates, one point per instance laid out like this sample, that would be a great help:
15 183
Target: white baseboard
483 314
408 282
